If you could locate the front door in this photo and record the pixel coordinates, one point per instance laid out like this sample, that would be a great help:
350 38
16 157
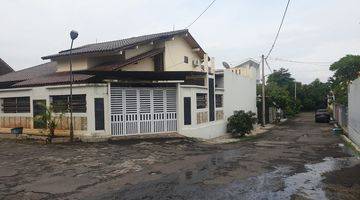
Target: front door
211 100
39 108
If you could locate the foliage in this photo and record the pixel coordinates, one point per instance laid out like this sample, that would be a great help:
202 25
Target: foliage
279 95
280 87
241 123
314 95
49 120
282 78
280 90
346 70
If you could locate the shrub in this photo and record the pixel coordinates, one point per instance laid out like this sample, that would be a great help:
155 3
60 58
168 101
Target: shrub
241 123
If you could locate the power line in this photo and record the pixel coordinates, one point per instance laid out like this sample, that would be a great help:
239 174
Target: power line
267 64
278 32
301 62
201 14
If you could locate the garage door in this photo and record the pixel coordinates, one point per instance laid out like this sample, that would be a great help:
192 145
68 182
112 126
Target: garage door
142 110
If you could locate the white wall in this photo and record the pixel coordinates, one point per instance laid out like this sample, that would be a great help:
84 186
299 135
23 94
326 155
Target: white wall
204 130
78 63
143 65
175 50
250 69
91 90
240 93
354 112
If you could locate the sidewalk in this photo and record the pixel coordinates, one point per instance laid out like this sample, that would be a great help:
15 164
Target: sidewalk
229 139
37 138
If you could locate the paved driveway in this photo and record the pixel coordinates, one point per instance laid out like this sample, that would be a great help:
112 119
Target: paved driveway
298 160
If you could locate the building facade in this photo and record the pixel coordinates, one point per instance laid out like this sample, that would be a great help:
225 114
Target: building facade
249 68
149 84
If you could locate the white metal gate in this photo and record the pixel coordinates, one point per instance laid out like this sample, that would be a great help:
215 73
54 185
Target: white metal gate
142 110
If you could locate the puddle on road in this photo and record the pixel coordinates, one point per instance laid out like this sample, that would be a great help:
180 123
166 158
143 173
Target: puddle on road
309 183
279 184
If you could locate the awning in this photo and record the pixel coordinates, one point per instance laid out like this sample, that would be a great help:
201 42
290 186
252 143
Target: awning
142 75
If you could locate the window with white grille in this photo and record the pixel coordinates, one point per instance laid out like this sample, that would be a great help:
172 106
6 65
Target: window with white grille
61 103
201 100
219 100
16 105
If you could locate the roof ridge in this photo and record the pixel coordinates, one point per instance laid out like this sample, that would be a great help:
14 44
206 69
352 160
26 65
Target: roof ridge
32 67
6 64
247 60
110 41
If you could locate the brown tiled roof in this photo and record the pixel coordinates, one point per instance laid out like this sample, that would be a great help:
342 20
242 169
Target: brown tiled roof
45 74
4 67
118 65
117 45
30 73
54 79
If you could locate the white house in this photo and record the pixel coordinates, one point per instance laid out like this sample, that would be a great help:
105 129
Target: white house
154 83
248 67
354 111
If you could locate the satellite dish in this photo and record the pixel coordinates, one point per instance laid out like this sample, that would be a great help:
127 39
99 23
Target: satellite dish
226 65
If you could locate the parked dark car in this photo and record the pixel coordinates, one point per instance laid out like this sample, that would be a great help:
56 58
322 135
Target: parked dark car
322 115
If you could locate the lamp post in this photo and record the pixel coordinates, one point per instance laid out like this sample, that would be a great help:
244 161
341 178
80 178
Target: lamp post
73 36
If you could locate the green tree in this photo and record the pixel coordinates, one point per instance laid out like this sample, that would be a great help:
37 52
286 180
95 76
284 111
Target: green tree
280 90
313 95
345 70
282 78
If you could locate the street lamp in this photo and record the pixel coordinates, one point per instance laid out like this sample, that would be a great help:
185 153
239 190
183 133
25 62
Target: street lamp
73 36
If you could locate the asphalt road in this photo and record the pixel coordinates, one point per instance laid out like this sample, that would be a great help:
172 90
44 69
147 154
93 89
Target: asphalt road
296 160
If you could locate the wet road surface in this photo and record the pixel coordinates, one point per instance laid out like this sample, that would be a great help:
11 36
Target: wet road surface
296 160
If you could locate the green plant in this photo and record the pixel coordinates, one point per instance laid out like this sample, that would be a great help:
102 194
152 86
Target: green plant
345 71
241 123
49 120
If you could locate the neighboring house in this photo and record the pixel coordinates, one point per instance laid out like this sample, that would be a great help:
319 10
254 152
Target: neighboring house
354 112
249 67
4 67
155 83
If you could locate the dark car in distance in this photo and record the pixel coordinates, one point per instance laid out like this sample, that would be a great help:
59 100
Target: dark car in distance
322 115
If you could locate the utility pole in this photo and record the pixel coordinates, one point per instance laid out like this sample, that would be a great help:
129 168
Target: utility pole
295 91
263 91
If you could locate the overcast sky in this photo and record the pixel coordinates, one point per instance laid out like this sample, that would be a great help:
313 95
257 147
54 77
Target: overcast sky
231 30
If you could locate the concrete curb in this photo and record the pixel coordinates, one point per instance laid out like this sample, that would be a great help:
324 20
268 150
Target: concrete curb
356 147
226 139
344 137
